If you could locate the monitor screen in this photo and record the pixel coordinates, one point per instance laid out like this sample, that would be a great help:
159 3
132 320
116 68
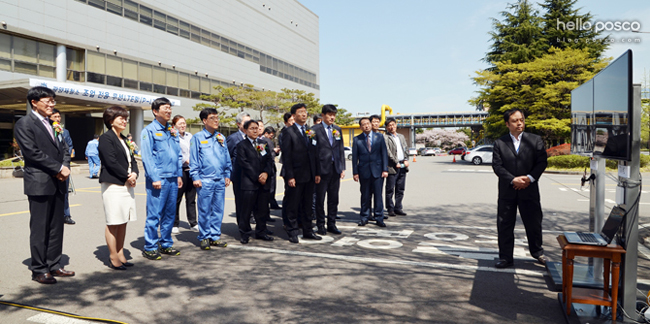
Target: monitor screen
582 119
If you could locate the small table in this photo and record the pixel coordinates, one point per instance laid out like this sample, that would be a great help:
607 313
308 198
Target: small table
611 253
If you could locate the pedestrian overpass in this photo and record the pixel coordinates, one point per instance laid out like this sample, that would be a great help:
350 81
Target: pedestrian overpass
453 119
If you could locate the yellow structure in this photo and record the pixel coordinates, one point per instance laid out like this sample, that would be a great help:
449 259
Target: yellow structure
349 132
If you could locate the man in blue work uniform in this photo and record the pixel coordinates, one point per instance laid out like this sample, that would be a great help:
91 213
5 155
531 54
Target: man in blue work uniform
162 159
92 155
210 169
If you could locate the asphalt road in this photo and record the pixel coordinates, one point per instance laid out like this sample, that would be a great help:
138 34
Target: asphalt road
433 266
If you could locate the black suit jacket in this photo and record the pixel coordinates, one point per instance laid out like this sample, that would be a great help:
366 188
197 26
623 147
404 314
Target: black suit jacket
43 157
231 141
298 157
508 164
369 164
327 152
250 164
115 163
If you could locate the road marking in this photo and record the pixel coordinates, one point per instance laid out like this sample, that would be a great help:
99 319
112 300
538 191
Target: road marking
459 226
395 262
56 319
469 170
27 211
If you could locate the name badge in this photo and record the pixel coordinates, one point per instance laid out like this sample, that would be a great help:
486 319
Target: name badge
313 142
159 134
204 142
263 153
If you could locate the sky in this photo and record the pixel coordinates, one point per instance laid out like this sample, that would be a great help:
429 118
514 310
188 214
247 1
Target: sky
418 56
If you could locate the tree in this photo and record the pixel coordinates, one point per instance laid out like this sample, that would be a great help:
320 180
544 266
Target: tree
343 117
541 89
446 139
290 97
561 30
264 101
645 108
519 37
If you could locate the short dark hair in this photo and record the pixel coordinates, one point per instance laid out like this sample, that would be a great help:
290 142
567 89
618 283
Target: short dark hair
113 112
297 106
362 118
248 123
176 119
286 116
207 112
509 112
374 117
269 130
317 116
55 111
155 105
38 93
328 109
390 120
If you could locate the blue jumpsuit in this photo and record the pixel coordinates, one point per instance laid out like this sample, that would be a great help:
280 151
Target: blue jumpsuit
210 163
162 160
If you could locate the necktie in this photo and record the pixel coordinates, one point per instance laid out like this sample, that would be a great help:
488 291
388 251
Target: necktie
49 128
368 142
329 134
304 134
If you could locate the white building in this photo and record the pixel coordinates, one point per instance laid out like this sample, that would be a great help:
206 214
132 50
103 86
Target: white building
130 51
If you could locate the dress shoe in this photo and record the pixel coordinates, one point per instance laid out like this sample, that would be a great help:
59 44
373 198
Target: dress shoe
268 232
293 239
68 220
62 273
127 264
381 223
362 223
312 236
372 218
391 213
264 237
503 264
122 267
44 278
321 230
244 240
400 212
332 229
541 259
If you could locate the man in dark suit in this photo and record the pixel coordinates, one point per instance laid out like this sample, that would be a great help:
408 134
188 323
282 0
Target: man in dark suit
331 155
254 166
370 167
267 137
56 117
300 173
288 122
231 141
47 162
519 159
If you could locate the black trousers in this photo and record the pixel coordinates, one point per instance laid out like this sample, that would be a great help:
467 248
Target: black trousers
46 232
531 216
374 186
329 185
257 202
190 200
274 182
395 183
297 202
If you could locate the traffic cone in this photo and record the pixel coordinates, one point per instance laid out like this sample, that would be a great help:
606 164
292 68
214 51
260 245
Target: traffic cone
454 158
414 158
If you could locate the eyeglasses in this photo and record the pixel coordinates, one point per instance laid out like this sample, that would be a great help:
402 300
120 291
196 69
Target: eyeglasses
213 118
49 102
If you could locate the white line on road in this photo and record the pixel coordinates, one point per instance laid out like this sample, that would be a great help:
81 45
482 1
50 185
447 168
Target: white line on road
56 319
396 262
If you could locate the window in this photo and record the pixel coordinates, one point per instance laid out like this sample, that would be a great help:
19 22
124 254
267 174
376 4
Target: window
114 6
46 71
205 85
5 46
96 63
172 25
184 30
196 34
194 83
158 75
131 10
159 20
114 66
97 3
172 78
144 73
184 81
146 15
130 69
25 50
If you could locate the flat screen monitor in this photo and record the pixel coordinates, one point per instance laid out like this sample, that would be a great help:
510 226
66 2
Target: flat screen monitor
604 129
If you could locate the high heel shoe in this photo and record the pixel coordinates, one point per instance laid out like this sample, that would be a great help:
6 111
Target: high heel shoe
127 264
122 267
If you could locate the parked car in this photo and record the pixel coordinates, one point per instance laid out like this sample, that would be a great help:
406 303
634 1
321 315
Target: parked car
413 151
459 151
429 151
348 152
480 154
421 150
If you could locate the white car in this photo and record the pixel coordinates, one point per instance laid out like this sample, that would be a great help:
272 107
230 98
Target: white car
413 151
348 152
480 154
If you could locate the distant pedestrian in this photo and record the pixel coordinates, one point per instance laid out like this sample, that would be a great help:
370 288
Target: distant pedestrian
162 160
317 118
188 189
92 155
56 118
398 165
269 134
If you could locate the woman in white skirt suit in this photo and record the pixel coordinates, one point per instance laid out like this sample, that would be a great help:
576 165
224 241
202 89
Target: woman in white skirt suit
119 172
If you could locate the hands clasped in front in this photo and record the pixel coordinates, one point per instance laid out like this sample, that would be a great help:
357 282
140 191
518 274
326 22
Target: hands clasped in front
521 182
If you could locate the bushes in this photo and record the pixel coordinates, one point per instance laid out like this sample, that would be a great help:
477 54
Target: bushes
581 162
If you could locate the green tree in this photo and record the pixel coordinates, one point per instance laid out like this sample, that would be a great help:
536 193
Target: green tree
343 117
264 101
290 97
519 37
645 108
561 31
540 88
